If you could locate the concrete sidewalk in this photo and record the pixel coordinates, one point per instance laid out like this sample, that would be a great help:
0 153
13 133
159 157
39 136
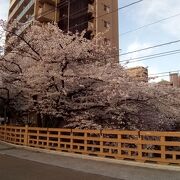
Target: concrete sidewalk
80 163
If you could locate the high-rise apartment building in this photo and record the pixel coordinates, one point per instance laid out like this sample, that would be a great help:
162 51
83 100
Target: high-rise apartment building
71 15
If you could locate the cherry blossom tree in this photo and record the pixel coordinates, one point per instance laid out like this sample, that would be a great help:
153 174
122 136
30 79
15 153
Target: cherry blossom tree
73 82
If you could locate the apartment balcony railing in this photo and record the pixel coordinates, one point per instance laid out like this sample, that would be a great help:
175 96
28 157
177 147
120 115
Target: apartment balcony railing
12 3
25 26
90 26
25 10
91 9
51 2
44 15
16 9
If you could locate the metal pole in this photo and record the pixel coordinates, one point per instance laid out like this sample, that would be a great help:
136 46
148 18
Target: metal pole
68 24
56 11
96 20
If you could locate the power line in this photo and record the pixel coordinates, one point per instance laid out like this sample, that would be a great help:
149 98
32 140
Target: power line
123 7
147 48
133 61
151 47
142 58
150 24
169 72
155 77
162 74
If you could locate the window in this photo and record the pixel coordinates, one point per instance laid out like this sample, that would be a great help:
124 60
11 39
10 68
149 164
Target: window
106 41
106 8
106 24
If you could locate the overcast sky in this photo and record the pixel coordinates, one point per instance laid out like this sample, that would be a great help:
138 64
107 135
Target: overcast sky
146 12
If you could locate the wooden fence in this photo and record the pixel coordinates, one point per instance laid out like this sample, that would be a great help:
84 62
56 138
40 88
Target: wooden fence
158 147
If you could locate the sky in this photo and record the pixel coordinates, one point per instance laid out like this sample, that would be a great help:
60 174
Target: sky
133 17
146 12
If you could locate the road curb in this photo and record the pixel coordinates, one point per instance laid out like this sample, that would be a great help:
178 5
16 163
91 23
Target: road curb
99 159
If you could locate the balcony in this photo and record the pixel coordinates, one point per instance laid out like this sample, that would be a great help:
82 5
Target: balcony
13 4
46 13
51 2
15 10
90 8
91 11
25 10
25 26
90 26
90 1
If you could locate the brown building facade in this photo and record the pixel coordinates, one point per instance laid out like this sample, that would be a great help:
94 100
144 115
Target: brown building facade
139 74
94 16
175 80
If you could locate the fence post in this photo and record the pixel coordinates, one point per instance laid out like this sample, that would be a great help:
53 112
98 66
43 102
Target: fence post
26 136
163 149
71 141
47 145
5 132
85 143
101 142
139 147
119 145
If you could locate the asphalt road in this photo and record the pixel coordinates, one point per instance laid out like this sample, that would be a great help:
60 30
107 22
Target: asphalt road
17 163
18 169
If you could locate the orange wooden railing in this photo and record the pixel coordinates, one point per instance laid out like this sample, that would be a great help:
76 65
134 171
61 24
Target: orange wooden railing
159 147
